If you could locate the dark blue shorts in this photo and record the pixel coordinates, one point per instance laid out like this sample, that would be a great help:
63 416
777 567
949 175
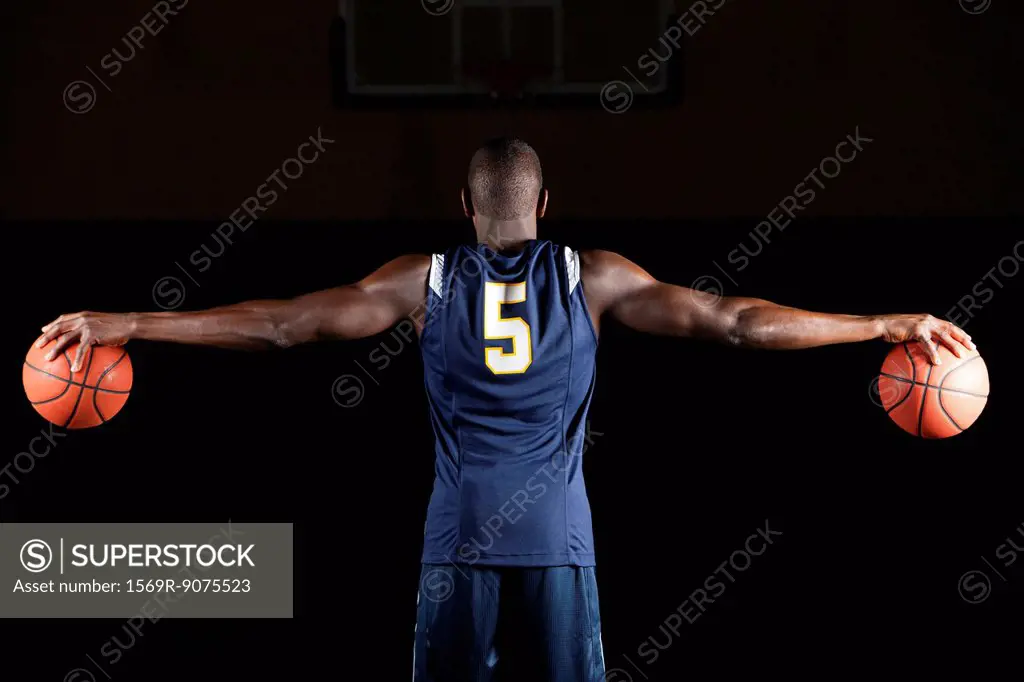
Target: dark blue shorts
479 624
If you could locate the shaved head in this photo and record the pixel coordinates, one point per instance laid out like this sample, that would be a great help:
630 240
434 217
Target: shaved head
505 179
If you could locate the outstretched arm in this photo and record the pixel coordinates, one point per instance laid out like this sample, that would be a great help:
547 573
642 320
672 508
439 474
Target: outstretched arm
619 288
365 308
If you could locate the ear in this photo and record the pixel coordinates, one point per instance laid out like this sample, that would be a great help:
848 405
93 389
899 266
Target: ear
542 204
467 203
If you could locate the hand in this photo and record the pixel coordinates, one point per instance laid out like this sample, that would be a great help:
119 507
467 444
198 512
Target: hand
927 329
104 329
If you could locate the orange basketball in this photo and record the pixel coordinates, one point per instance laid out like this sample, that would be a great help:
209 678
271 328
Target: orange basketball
933 401
81 400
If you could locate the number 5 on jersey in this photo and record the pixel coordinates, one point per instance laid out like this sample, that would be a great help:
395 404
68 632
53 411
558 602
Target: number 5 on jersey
498 328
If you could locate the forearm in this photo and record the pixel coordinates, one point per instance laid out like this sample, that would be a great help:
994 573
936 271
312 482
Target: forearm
762 324
354 311
254 325
631 296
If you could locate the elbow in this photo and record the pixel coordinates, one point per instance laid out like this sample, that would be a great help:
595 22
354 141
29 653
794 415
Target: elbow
283 341
283 338
737 337
292 326
745 332
281 334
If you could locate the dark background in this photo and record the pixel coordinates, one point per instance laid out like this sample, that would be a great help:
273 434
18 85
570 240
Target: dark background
699 445
226 90
693 448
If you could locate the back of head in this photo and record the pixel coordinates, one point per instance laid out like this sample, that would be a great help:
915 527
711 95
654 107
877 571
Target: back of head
505 180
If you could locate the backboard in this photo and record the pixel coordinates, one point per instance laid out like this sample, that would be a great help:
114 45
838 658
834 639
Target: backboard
469 53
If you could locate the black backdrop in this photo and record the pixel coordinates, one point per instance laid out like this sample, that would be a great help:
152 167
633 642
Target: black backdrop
693 448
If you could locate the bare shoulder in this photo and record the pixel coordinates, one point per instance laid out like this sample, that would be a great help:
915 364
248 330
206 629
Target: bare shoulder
409 264
607 276
402 269
607 268
596 261
405 276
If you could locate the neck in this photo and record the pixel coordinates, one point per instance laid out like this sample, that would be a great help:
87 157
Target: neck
505 234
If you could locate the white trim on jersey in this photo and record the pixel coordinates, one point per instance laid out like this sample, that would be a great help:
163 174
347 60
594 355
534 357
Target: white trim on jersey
437 274
572 264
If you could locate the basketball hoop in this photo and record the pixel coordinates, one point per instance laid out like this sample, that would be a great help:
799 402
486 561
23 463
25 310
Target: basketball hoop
505 80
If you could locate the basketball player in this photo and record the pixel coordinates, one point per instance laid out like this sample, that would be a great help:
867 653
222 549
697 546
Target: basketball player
509 331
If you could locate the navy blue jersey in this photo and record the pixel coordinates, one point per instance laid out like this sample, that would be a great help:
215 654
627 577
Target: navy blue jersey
509 354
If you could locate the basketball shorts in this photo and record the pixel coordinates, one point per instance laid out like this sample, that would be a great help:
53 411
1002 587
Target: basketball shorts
480 624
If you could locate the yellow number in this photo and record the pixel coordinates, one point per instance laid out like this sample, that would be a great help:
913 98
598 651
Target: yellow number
497 327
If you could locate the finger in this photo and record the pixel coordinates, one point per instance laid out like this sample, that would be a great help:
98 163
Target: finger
952 344
63 318
57 321
961 336
83 348
932 350
50 335
63 341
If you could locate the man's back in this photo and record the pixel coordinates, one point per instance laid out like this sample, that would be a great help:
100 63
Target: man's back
509 359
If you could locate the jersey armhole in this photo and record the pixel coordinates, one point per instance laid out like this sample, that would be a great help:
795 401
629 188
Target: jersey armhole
574 274
572 266
436 280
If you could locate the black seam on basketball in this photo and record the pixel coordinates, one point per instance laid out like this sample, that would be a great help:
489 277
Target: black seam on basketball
78 400
954 370
66 383
948 415
96 394
105 372
75 383
924 398
938 388
900 402
67 387
913 369
913 365
96 406
953 390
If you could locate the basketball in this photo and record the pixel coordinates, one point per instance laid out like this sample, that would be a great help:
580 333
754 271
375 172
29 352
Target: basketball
933 401
81 400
